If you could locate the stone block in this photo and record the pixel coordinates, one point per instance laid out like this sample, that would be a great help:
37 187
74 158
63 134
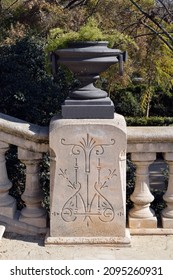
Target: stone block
37 221
88 109
88 181
142 223
167 222
9 210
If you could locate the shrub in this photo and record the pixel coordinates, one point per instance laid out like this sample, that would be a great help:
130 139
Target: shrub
26 84
28 92
151 121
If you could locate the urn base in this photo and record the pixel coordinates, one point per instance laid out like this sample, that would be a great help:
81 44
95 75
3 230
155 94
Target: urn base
102 108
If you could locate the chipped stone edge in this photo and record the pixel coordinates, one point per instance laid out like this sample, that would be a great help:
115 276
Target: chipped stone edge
2 230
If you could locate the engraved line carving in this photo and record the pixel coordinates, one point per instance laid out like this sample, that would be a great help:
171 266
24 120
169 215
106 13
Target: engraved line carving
87 146
87 205
76 205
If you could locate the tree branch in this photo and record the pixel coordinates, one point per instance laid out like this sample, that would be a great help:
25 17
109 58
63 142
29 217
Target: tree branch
12 4
75 3
93 10
159 35
154 21
167 10
148 34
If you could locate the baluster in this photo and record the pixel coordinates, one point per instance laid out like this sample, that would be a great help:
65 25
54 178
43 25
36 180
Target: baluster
7 202
33 213
167 213
141 215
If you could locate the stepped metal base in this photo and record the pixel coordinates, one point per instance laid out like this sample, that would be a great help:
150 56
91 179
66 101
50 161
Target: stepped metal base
88 109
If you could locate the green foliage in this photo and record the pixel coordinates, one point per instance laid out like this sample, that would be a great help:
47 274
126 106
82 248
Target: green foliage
26 85
156 72
151 121
130 173
59 38
16 174
36 16
146 99
45 180
158 204
29 93
127 104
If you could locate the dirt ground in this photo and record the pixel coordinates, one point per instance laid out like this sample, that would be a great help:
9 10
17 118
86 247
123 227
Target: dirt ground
18 247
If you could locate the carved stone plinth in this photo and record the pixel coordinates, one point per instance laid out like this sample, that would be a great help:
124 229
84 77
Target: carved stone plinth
88 186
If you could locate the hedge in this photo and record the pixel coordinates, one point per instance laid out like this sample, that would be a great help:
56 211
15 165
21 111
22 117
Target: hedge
151 121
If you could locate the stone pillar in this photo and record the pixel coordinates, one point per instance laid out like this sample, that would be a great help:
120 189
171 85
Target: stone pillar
88 183
167 213
33 214
7 202
141 215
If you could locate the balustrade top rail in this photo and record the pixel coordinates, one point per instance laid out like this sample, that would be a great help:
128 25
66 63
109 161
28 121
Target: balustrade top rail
150 139
141 134
14 130
139 139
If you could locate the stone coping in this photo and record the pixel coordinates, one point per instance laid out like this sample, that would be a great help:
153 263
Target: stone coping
23 134
14 130
24 129
40 134
143 134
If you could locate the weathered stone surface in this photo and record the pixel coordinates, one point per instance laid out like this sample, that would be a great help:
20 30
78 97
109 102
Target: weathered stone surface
118 241
33 214
88 186
149 139
141 215
9 210
7 202
142 223
16 226
167 222
22 134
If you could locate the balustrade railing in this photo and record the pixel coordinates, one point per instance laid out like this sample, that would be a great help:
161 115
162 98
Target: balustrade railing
32 141
143 144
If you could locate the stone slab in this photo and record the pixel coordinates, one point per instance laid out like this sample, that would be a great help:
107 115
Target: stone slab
88 109
118 241
143 223
18 227
88 184
167 222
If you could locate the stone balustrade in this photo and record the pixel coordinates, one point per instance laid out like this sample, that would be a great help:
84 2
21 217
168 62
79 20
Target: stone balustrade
32 142
143 145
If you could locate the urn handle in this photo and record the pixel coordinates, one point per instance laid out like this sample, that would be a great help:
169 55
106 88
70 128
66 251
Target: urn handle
122 58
